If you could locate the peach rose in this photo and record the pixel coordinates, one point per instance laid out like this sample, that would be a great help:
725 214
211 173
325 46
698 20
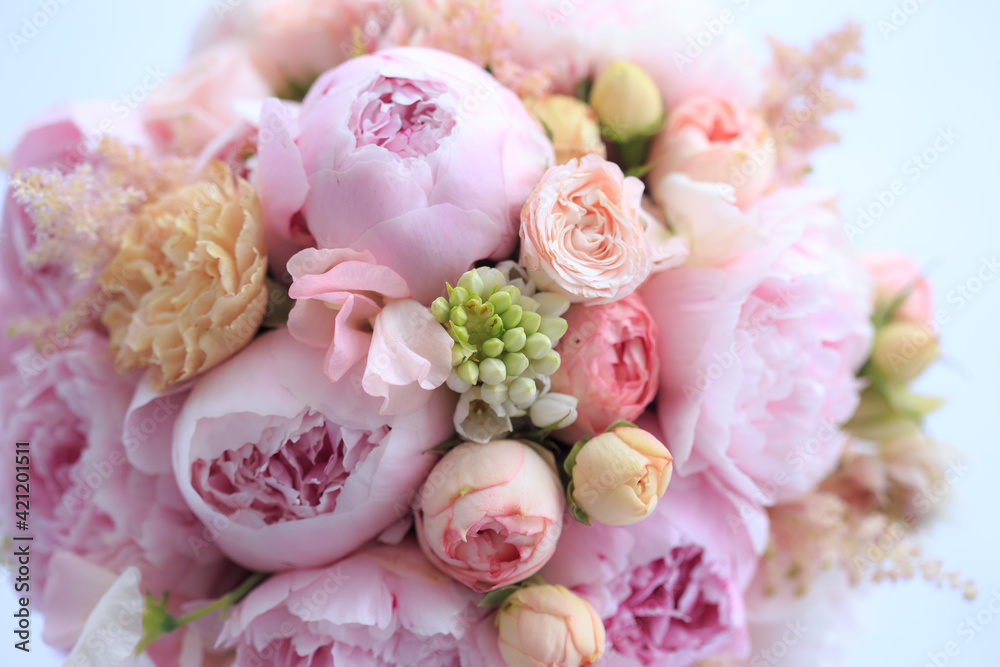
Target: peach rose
715 141
549 625
581 235
187 285
197 105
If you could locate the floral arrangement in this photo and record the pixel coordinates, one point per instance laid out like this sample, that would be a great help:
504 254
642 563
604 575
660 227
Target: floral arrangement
455 332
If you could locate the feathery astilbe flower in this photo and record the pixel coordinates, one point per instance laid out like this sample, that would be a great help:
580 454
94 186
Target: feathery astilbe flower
799 99
79 217
822 531
477 31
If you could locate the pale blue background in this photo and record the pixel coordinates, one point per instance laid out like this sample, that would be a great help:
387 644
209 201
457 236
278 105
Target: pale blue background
940 69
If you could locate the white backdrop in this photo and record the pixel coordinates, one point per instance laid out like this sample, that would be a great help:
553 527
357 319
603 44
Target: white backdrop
939 71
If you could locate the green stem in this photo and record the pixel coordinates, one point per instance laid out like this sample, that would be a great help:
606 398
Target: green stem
227 600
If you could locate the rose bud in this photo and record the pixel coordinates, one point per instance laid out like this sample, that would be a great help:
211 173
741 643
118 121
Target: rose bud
490 514
618 476
549 625
714 141
627 101
571 125
903 351
898 278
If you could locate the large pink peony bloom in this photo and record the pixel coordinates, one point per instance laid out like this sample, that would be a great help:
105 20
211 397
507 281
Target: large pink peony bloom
293 470
384 605
760 337
610 362
669 588
490 514
414 155
91 507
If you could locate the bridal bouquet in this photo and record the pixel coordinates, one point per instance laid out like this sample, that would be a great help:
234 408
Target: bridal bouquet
454 332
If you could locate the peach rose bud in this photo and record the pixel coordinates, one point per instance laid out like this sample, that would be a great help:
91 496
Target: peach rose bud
619 475
903 350
571 125
549 625
627 101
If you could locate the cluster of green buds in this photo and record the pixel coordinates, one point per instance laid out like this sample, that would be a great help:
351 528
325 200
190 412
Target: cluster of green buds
504 334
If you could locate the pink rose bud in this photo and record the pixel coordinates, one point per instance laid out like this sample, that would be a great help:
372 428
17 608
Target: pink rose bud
549 625
490 514
619 475
714 141
895 277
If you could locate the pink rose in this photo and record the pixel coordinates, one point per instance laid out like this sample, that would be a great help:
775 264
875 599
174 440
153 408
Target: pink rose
580 232
384 605
357 310
458 152
291 469
198 104
759 346
670 588
895 275
61 140
490 514
715 141
90 505
610 361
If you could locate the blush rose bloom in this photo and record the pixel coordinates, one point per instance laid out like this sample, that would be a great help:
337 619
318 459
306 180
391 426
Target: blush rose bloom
195 106
581 234
670 588
293 470
895 274
384 605
458 153
92 508
357 310
760 344
490 514
611 350
715 141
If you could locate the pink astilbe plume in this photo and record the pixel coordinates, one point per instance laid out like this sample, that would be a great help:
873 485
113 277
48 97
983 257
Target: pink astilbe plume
799 99
477 31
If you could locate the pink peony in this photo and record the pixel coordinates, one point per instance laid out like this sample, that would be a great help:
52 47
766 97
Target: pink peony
610 362
760 344
581 234
384 605
670 588
198 104
414 155
291 469
895 275
90 505
357 310
490 514
715 141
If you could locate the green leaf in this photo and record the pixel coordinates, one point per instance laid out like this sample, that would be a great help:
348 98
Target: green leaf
577 511
499 596
571 457
583 88
621 423
444 447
